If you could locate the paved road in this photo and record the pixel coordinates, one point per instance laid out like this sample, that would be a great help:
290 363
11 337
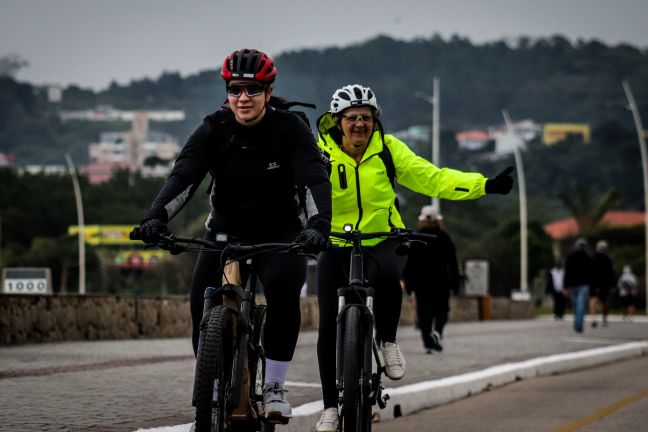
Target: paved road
119 386
613 397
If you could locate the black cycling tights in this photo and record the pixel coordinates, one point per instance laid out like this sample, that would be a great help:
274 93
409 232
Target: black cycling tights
382 269
282 277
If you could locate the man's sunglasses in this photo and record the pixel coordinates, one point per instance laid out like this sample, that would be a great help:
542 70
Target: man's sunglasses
251 89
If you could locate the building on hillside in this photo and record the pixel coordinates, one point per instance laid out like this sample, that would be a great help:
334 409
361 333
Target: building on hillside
473 140
556 132
140 149
414 133
524 131
567 228
7 159
43 169
108 113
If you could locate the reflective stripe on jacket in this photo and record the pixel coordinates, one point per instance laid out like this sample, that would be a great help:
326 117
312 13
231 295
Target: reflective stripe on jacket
362 194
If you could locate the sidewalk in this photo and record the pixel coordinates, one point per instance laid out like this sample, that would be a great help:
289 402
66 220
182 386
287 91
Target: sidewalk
141 384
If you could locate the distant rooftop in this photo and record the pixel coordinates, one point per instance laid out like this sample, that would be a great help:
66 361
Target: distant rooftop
566 228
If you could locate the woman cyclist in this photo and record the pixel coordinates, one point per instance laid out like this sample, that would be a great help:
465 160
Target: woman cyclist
362 157
261 159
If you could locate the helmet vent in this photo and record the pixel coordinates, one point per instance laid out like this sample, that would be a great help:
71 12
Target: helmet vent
344 95
358 92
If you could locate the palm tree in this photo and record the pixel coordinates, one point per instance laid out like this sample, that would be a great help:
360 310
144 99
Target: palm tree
586 212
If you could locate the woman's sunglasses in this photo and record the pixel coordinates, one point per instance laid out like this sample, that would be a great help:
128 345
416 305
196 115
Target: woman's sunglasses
251 89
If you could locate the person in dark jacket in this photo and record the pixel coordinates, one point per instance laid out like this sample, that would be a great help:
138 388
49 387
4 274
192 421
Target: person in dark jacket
270 184
431 273
603 281
578 279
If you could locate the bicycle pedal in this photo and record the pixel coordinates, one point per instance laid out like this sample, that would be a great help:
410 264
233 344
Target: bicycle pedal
276 418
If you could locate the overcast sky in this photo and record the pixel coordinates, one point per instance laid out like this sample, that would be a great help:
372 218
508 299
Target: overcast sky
92 42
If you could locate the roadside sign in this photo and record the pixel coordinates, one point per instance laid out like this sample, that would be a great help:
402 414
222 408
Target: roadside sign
476 273
26 280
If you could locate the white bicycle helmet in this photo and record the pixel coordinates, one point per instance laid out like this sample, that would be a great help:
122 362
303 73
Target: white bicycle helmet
352 95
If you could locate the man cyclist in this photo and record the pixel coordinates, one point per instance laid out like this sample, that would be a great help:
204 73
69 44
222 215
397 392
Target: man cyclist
362 194
265 166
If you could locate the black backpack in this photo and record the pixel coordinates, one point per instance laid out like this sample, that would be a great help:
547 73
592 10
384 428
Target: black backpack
282 104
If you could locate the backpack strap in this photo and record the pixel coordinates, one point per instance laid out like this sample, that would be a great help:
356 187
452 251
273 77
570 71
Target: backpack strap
386 156
387 159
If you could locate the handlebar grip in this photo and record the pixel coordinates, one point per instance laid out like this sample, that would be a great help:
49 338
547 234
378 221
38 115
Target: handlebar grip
423 236
135 234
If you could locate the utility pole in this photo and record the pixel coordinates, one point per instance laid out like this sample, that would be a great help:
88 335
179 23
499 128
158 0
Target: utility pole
436 103
79 209
644 163
523 294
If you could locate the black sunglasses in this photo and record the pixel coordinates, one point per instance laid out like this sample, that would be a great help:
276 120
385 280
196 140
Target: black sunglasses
251 89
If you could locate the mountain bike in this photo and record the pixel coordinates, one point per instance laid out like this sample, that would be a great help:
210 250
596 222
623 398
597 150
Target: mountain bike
230 364
359 387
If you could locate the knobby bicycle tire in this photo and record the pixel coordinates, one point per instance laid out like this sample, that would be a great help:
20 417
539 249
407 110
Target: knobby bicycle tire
356 410
214 370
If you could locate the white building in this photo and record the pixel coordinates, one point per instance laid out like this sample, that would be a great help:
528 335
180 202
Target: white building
108 113
150 152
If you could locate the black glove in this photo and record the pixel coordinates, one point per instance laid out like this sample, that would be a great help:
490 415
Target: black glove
152 229
501 184
313 241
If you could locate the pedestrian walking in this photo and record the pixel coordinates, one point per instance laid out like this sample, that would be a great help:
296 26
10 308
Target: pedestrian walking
578 277
556 288
603 280
431 274
627 286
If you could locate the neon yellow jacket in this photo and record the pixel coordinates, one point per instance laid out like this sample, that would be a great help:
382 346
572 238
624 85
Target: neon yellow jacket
368 201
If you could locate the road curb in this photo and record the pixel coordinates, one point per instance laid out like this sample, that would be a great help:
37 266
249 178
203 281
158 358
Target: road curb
411 398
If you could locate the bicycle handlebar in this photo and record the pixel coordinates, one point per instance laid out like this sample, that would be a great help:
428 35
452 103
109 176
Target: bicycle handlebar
400 233
176 244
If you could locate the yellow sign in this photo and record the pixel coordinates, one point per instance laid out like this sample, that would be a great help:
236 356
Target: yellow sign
105 235
556 132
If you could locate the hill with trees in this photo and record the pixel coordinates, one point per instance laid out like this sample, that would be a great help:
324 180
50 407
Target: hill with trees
547 80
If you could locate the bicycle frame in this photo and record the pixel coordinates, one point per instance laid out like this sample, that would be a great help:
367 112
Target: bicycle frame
357 287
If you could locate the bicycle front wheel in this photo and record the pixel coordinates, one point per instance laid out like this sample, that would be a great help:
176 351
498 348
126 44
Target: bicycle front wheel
356 409
214 371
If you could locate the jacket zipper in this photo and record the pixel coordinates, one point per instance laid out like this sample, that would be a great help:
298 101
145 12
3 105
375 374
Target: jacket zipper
359 198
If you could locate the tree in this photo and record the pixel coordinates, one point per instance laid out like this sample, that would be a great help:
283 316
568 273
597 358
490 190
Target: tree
586 212
11 64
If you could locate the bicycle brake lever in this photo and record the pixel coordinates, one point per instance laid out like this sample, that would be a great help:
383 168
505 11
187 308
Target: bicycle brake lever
176 249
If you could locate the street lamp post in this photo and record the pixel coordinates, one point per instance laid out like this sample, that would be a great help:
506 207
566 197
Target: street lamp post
79 209
435 101
523 294
644 163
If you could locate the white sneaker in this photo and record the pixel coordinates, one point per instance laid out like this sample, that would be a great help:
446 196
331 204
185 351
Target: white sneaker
275 405
394 361
328 421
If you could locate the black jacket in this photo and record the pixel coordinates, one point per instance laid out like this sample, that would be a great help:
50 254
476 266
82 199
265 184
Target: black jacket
432 266
604 277
268 177
578 269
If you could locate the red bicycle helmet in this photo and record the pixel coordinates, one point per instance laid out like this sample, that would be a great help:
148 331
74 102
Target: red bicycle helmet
251 64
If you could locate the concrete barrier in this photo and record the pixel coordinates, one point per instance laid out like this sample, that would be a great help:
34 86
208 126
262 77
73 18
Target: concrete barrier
51 318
